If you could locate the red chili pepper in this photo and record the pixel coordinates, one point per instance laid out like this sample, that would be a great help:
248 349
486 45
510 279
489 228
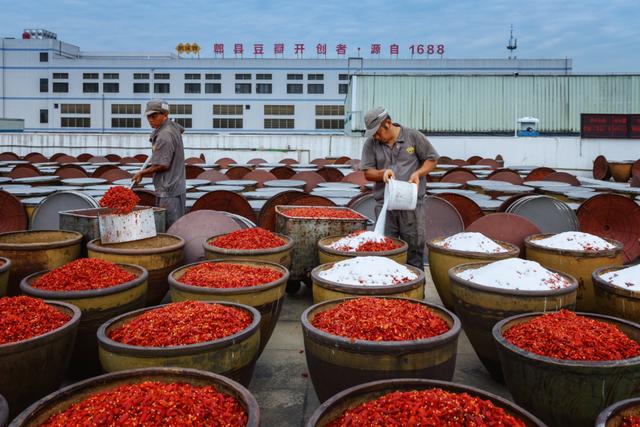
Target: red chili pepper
321 213
84 274
121 199
380 319
370 246
227 275
24 317
433 407
248 238
182 323
565 335
153 404
631 421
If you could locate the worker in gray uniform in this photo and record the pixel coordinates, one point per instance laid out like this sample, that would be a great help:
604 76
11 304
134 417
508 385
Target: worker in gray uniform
167 161
392 151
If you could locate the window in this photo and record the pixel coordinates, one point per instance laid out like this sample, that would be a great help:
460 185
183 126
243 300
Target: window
111 87
315 88
294 76
44 56
263 88
60 75
90 87
184 122
243 76
126 109
44 85
278 123
243 87
60 87
180 108
212 88
329 110
75 122
161 87
263 76
141 88
140 76
192 77
315 76
279 110
329 124
75 108
44 116
125 122
227 110
343 76
212 76
294 88
110 76
90 76
161 76
192 88
224 123
343 89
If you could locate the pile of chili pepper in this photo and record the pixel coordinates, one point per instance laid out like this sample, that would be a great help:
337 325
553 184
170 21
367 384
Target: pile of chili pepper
568 336
153 404
631 421
433 407
228 275
380 319
248 238
121 199
84 274
24 317
182 323
321 213
370 246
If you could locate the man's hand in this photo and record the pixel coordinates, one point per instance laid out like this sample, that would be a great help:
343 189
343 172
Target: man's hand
137 178
415 178
388 175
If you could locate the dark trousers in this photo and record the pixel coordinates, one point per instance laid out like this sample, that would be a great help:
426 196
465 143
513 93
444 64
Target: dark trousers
407 226
175 207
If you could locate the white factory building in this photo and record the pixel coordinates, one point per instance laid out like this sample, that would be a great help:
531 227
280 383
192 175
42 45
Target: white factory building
57 87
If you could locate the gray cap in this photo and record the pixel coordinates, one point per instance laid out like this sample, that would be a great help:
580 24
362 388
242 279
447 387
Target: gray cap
156 106
373 119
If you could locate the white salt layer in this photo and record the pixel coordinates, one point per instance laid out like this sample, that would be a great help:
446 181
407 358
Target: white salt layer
471 242
353 242
575 241
516 274
368 271
626 278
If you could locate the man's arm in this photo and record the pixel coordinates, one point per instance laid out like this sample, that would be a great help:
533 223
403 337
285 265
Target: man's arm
427 166
148 171
379 175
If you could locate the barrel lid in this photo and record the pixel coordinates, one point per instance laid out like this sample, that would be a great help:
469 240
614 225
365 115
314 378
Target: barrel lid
226 201
83 182
601 168
37 179
541 184
442 219
539 174
446 185
267 217
505 227
295 183
32 201
14 217
126 181
468 208
29 191
46 215
236 182
477 167
505 175
549 214
338 185
5 179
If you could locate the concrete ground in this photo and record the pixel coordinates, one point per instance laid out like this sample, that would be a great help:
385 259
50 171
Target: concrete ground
284 390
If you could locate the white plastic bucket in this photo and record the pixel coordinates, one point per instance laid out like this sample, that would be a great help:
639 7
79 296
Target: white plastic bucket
400 195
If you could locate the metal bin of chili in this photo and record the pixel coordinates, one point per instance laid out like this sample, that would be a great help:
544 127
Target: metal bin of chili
481 307
353 397
97 306
579 264
328 254
5 266
327 290
251 237
267 297
307 231
566 392
233 356
158 255
33 251
625 413
34 367
336 362
615 300
62 400
442 259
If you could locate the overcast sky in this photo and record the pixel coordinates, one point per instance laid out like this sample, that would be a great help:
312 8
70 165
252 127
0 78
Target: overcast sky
601 36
